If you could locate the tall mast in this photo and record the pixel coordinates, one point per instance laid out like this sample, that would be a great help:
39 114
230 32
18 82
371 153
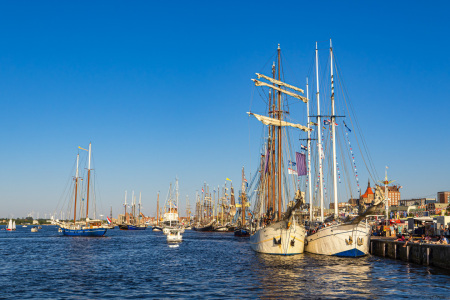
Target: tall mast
76 191
157 211
139 216
243 198
333 132
133 206
309 156
176 190
272 148
88 183
279 138
319 136
125 206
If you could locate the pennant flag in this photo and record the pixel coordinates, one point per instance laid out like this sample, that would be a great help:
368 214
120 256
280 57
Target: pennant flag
202 190
303 147
228 179
312 124
108 220
301 163
326 122
82 148
349 130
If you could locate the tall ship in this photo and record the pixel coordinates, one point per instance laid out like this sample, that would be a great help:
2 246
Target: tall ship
84 226
171 219
133 221
277 229
205 220
242 229
332 234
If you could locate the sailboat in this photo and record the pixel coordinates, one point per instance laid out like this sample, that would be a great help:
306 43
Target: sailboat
333 236
276 232
157 227
131 221
242 230
87 227
11 225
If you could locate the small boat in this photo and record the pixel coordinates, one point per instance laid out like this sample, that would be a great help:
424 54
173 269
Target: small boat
156 228
242 232
174 235
132 227
34 229
11 225
24 226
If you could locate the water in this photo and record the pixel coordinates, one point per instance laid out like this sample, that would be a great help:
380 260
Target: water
140 264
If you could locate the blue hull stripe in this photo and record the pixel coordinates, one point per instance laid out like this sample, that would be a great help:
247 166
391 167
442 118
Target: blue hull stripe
350 253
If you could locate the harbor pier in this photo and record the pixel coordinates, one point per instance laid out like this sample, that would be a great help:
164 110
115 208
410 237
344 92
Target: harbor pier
428 254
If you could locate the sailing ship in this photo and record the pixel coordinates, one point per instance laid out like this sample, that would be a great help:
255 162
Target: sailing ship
131 221
11 225
157 227
86 227
204 212
276 232
242 229
333 236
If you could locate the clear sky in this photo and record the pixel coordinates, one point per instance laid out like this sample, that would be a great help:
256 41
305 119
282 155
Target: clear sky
161 89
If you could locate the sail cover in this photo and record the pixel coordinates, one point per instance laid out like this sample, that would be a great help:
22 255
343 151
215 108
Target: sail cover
275 122
280 83
261 83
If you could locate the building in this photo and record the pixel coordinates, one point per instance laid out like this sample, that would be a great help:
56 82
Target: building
353 202
416 201
443 197
341 205
393 194
368 196
436 208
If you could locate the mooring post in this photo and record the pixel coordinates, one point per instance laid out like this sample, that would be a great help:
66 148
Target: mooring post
428 256
407 253
384 249
395 251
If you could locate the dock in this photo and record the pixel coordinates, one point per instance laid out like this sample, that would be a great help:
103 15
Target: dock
419 253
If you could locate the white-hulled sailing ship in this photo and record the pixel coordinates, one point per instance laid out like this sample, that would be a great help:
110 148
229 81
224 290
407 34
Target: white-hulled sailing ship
277 232
333 236
86 227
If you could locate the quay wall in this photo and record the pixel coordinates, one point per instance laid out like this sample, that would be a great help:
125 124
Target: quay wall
423 254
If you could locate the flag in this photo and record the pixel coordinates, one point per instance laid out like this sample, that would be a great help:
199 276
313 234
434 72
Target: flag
349 130
108 220
326 122
292 171
202 190
301 163
228 179
312 124
303 147
267 161
82 148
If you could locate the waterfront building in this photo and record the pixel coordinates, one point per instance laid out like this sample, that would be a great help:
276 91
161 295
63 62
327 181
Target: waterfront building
443 197
368 196
416 201
393 194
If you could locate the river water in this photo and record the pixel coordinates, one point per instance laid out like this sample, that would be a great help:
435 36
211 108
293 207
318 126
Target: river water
140 264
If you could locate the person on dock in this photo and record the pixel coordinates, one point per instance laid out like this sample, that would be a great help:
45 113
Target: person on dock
443 240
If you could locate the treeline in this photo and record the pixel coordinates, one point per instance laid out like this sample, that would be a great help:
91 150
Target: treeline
23 221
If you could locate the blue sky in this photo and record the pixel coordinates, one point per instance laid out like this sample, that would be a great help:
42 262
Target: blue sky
161 89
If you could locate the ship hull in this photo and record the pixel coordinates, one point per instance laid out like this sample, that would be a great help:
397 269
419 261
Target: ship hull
344 240
89 232
279 239
132 227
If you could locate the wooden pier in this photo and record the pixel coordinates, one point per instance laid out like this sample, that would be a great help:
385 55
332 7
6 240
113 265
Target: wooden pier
423 254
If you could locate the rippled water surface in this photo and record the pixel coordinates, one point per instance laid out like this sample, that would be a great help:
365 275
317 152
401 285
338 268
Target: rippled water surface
140 264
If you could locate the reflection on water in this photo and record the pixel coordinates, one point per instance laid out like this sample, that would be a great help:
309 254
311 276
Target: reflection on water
205 265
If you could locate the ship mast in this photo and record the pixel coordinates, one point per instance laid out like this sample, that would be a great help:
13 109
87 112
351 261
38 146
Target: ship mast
76 191
243 199
139 216
125 205
319 137
272 149
309 155
279 137
333 132
157 211
88 184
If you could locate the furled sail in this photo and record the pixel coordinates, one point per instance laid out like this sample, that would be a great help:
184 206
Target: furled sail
280 83
275 122
261 83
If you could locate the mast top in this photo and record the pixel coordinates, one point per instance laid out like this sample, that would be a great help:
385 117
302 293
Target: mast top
278 46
